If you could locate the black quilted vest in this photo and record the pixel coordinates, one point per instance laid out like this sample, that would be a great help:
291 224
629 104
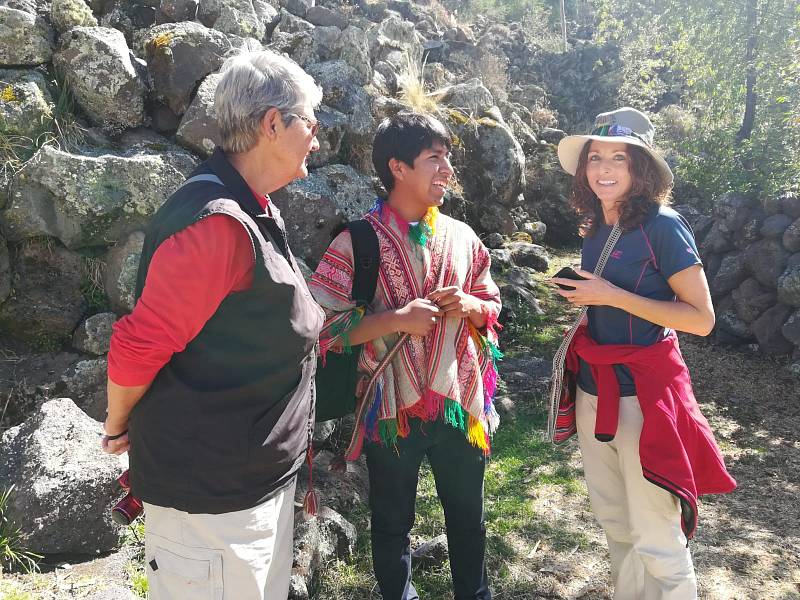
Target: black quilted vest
225 422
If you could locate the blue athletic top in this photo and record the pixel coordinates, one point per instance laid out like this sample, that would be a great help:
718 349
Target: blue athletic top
642 261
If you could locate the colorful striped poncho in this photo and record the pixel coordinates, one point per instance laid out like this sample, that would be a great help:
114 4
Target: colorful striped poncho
449 374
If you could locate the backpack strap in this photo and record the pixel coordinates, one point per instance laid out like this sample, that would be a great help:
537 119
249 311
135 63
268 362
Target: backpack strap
366 260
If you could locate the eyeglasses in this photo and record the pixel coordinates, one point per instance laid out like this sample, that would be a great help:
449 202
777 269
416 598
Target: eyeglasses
313 124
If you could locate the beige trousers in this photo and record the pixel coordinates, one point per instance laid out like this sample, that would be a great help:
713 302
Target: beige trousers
242 555
649 557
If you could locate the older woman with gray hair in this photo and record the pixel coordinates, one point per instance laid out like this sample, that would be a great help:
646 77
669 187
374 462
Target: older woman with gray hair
210 378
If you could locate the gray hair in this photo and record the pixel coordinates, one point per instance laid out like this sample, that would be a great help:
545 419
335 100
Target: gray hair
251 84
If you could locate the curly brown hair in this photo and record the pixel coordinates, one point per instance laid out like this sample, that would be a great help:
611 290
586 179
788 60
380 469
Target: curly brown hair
649 189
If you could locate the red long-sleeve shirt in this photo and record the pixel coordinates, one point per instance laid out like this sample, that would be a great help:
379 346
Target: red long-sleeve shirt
190 274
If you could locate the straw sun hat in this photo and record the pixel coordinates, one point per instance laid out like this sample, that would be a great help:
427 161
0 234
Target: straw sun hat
626 125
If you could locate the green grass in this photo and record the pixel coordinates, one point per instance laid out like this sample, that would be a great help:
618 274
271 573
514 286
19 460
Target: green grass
14 556
134 536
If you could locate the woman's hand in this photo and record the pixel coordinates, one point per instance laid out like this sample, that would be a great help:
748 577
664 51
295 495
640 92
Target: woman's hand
593 291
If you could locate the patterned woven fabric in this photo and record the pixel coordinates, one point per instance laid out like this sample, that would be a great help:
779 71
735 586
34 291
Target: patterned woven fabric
449 374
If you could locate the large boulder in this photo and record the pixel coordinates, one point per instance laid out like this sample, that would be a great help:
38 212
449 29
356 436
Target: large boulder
394 39
47 302
85 383
66 14
340 491
791 328
93 335
313 207
524 254
97 65
750 300
63 483
471 97
87 201
198 130
731 272
122 265
325 17
791 237
25 104
767 329
766 260
179 56
317 542
244 18
789 286
5 271
25 39
774 226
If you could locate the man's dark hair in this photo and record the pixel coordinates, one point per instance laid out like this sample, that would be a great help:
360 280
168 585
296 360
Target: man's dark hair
404 136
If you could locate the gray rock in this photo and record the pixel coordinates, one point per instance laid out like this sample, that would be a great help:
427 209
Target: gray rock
493 166
174 11
26 105
731 272
432 553
789 286
527 94
340 491
536 230
318 541
733 209
494 240
5 270
291 23
729 323
87 201
791 328
718 238
501 259
97 64
314 206
517 297
394 36
437 75
506 408
179 56
122 265
298 7
529 255
767 329
338 80
334 126
325 40
470 97
791 237
793 260
237 17
353 48
198 130
790 204
494 217
66 14
47 303
750 232
325 17
85 383
750 300
322 432
774 226
93 335
113 592
766 260
64 483
522 276
551 135
25 39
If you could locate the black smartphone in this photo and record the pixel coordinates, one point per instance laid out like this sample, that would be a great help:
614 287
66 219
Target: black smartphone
568 273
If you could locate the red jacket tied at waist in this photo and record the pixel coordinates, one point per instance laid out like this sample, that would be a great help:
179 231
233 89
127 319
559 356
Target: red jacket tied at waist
676 448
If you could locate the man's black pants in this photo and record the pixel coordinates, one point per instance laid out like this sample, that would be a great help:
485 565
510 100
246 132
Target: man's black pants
458 469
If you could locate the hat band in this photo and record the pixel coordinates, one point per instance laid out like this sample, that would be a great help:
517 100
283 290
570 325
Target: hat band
619 131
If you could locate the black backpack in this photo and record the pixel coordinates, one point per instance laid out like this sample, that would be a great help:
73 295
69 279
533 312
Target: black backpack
336 381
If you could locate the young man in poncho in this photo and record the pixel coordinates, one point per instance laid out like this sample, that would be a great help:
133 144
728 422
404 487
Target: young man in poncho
435 397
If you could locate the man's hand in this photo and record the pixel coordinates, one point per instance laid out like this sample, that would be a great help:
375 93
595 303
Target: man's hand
418 317
115 438
457 304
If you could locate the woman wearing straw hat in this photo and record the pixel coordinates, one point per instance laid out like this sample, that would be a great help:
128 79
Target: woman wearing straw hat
647 451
